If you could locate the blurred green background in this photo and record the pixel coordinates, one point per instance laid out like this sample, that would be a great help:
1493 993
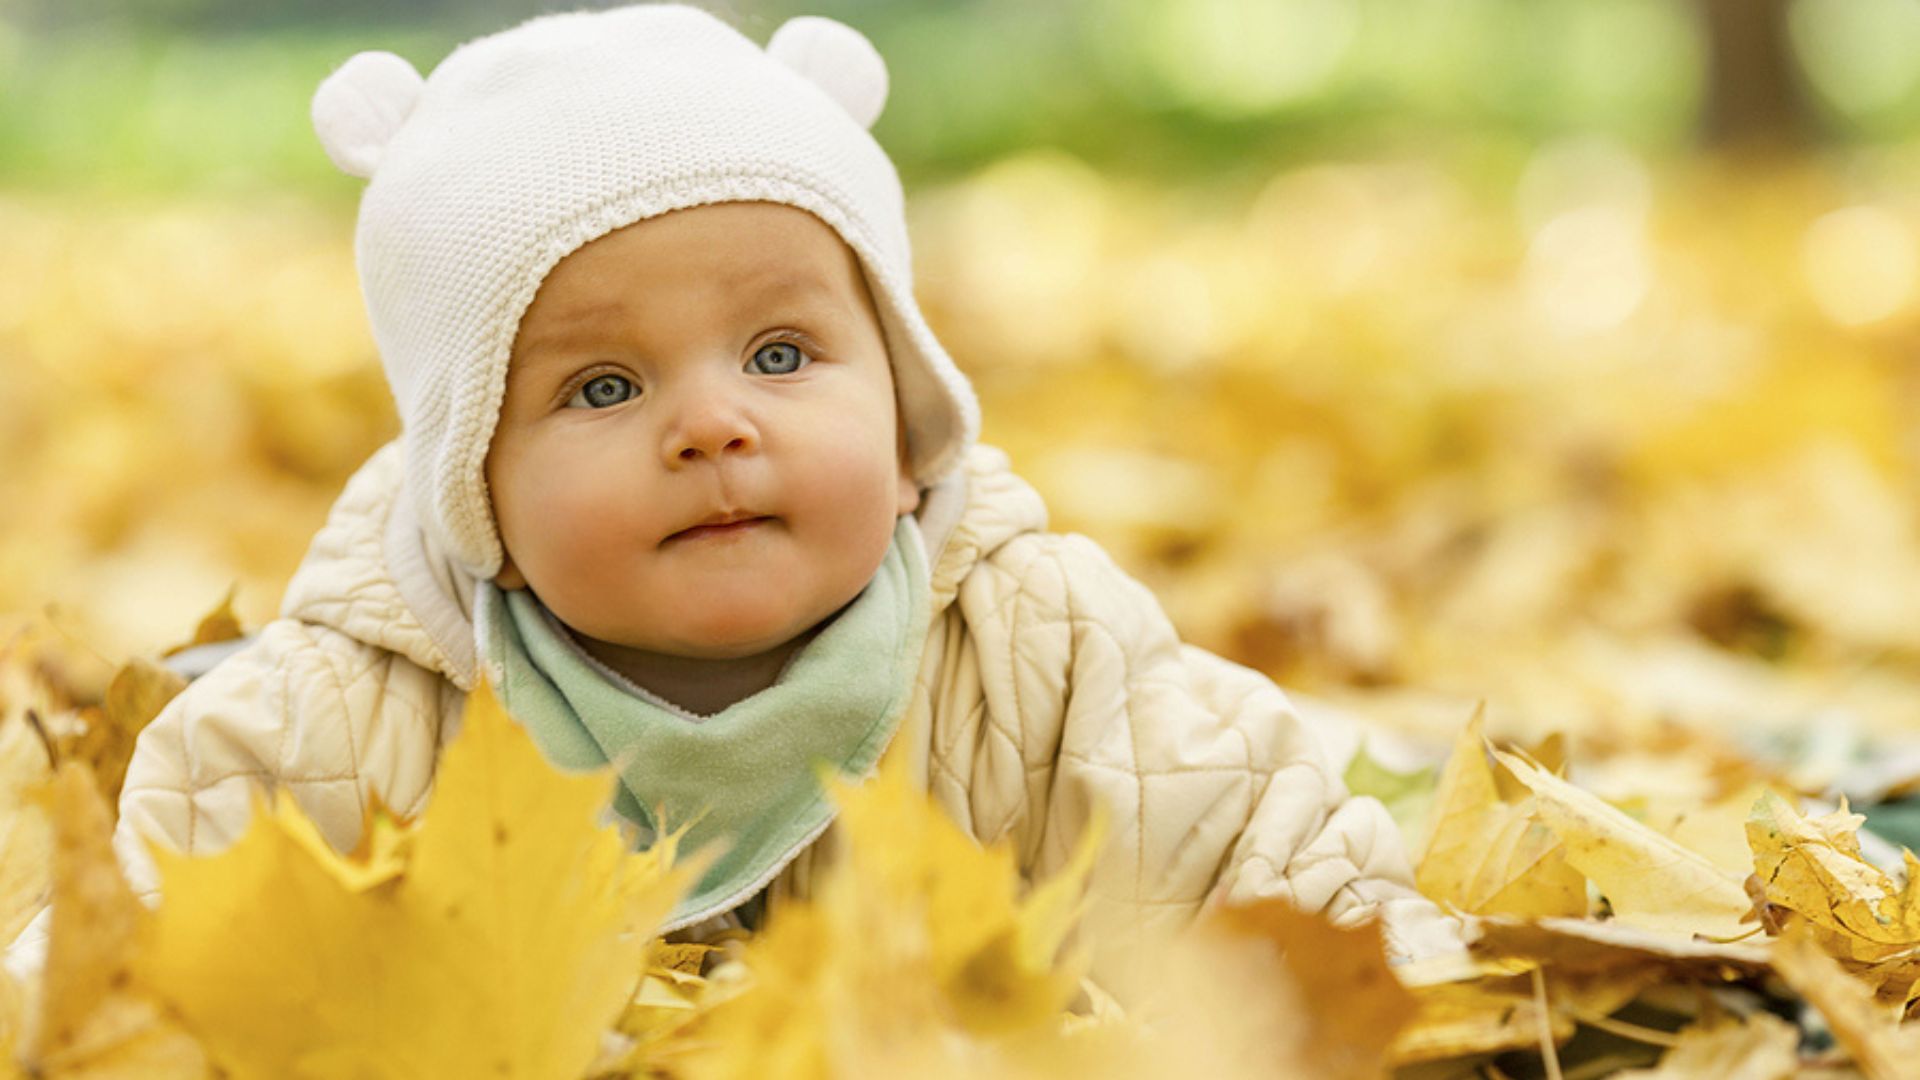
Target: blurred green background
1554 353
172 95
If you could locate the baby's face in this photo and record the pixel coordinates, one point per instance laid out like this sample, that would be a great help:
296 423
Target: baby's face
723 359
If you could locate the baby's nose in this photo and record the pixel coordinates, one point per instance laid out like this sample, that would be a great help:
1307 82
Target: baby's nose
709 425
705 448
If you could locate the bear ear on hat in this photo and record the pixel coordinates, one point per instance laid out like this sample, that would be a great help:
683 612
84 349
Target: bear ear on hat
837 58
358 108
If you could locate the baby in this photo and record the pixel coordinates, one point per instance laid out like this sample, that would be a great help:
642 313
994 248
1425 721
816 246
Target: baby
686 478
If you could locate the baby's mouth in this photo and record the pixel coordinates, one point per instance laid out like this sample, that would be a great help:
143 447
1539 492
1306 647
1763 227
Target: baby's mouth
720 531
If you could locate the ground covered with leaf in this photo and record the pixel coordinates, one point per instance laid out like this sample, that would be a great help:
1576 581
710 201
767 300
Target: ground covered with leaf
1587 493
509 932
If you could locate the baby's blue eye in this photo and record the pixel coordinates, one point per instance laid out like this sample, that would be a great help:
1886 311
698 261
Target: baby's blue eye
780 358
603 391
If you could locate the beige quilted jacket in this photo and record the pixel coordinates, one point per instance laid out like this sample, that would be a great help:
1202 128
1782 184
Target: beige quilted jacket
1051 682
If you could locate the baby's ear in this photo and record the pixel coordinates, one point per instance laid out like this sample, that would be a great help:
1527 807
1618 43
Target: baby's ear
359 107
837 58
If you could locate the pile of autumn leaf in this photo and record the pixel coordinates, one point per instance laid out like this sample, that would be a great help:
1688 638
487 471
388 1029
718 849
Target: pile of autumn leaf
1626 456
509 932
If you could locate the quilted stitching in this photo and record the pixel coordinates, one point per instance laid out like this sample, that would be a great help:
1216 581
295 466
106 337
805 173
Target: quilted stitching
344 581
1133 718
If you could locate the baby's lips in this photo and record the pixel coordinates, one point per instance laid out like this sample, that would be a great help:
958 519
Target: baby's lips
719 519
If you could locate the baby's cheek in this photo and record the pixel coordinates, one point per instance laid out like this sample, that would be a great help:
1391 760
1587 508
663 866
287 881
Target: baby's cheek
580 519
856 482
592 572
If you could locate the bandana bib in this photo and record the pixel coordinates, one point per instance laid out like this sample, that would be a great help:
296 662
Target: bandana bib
746 777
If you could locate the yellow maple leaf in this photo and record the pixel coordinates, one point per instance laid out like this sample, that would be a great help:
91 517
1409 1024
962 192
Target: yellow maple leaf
995 956
1487 855
218 625
1650 880
95 725
26 829
137 693
1813 867
505 945
1870 1031
1717 829
916 953
96 1016
654 1031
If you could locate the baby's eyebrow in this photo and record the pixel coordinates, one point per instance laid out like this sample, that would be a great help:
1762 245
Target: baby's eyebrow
748 294
781 282
564 327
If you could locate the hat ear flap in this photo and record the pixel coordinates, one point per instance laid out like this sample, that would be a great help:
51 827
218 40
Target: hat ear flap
359 107
838 59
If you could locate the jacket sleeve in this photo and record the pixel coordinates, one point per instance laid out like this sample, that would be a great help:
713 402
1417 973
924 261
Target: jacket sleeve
305 706
1212 787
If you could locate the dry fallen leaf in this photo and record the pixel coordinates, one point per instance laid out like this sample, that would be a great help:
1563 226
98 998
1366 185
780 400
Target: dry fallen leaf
1717 830
26 828
1869 1030
1813 867
1760 1047
505 946
97 1015
1487 855
1589 946
1649 880
218 625
1483 1016
139 690
916 955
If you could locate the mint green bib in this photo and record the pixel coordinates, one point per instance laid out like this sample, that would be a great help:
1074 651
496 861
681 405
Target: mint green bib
746 776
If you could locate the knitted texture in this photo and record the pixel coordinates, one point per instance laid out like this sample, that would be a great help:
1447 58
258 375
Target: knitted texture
524 145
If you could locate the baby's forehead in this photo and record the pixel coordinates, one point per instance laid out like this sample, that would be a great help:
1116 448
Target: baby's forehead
749 248
720 262
742 233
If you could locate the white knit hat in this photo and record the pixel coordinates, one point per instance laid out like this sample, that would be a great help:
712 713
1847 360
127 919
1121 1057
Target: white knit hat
524 145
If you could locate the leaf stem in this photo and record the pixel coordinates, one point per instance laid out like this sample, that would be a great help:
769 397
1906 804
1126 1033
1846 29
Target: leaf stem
1628 1030
1547 1052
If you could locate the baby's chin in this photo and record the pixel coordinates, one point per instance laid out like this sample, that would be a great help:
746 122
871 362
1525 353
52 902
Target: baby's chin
724 639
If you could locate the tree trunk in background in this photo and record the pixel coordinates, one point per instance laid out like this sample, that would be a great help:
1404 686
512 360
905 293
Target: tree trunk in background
1754 93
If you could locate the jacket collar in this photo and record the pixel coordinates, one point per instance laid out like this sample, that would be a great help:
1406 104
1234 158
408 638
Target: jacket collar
373 574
